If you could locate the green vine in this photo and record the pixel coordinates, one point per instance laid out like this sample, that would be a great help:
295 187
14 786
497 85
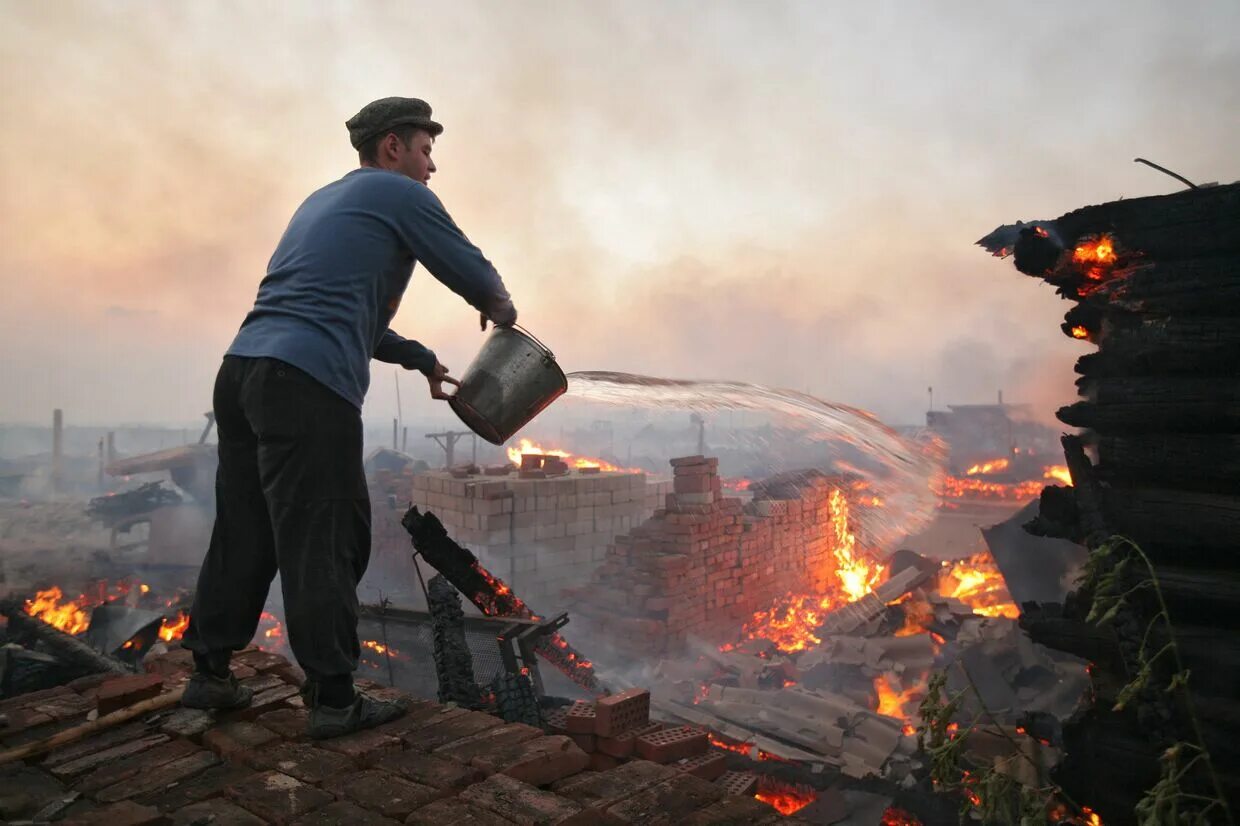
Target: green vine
1114 576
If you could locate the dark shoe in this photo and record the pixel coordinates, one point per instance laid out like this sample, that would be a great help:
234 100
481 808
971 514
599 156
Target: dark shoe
223 693
366 712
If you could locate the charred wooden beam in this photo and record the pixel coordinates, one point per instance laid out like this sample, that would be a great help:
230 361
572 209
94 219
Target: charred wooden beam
489 593
1187 461
1172 404
68 648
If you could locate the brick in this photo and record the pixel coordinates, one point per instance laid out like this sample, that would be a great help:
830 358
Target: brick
263 682
278 798
344 812
623 744
708 766
668 803
65 707
362 747
742 784
441 732
556 720
32 698
272 698
580 718
24 790
384 793
486 742
429 771
209 784
621 712
215 813
603 789
121 692
187 722
103 742
671 744
289 723
126 813
177 661
148 782
538 762
154 752
260 660
454 812
300 760
232 738
522 803
735 811
585 742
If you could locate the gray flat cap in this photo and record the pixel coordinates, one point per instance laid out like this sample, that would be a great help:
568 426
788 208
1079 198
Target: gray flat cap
381 115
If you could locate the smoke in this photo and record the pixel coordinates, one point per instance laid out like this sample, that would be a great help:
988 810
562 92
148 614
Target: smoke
783 195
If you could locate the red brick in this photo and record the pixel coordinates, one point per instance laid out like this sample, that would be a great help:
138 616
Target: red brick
300 760
228 739
453 812
621 712
289 723
155 751
187 722
32 698
603 789
278 798
215 813
623 744
362 747
556 720
122 692
580 718
735 811
387 794
486 742
65 706
429 771
699 483
741 784
585 742
671 744
522 803
70 760
210 783
344 812
667 804
122 814
600 762
708 766
149 782
260 660
537 762
441 731
177 661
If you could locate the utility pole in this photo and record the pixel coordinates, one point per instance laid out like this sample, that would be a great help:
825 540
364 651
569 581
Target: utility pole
448 439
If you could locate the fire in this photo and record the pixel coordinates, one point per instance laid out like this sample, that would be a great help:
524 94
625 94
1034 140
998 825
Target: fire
791 622
273 635
1095 256
1058 473
379 648
534 449
739 748
169 631
67 616
785 798
894 816
957 487
893 702
1080 332
978 583
986 468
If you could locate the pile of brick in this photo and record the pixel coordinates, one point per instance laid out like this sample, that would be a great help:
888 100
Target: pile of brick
437 765
704 563
617 730
540 535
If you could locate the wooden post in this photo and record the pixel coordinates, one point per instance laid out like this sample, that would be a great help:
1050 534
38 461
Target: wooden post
58 449
395 444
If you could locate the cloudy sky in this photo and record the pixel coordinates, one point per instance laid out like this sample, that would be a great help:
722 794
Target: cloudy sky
777 192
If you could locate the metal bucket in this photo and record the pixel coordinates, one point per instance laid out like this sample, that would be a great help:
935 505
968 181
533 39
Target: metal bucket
513 377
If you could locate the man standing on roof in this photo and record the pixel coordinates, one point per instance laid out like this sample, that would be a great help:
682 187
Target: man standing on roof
291 492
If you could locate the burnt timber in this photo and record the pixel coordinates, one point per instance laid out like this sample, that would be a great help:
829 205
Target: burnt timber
1160 413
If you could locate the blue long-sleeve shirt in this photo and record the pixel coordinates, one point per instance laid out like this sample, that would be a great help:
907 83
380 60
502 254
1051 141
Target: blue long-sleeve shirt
338 274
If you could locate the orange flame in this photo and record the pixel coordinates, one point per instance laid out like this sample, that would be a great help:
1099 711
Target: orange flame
534 449
1096 255
896 702
978 583
1080 332
988 467
739 748
67 616
785 798
790 623
1059 473
169 631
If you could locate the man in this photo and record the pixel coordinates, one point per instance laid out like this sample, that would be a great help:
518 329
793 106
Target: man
290 492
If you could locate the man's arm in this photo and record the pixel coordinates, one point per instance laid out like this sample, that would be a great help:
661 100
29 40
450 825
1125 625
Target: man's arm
411 355
439 244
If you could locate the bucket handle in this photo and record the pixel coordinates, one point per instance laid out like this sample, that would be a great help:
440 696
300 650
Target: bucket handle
547 354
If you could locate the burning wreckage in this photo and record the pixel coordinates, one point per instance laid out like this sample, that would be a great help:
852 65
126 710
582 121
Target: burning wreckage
746 652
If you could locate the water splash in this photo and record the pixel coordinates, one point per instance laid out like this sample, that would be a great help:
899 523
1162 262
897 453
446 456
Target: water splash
898 470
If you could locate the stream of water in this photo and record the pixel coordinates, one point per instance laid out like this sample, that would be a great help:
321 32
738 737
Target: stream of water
898 470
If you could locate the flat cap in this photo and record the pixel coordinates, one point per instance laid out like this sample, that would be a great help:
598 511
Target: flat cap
381 115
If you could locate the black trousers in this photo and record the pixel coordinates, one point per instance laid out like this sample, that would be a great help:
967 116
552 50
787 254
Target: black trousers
290 496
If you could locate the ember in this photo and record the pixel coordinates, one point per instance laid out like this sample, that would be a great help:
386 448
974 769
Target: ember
272 633
526 447
985 468
785 798
894 816
1095 257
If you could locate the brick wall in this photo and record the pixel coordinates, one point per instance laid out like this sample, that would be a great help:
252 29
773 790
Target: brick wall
539 535
704 563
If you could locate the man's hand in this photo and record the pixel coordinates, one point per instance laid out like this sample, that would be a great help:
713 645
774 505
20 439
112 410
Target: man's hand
505 317
437 378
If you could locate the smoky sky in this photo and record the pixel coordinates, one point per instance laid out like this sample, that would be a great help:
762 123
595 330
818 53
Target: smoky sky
781 193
